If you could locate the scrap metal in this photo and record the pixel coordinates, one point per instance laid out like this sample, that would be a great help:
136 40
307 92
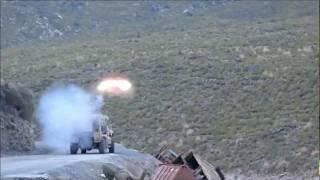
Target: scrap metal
200 168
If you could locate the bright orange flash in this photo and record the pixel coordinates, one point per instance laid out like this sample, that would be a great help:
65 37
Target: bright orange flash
114 86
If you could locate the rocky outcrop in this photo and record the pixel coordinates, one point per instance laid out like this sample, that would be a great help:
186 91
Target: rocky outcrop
17 119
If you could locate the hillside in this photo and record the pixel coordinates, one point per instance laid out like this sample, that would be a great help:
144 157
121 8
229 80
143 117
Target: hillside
239 83
42 21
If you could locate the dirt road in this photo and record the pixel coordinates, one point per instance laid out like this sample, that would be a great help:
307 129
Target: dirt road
80 166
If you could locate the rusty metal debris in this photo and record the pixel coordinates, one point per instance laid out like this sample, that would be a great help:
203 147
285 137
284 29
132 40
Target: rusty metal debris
166 155
192 162
173 172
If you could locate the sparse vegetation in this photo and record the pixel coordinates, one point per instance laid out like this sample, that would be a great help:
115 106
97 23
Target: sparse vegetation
240 84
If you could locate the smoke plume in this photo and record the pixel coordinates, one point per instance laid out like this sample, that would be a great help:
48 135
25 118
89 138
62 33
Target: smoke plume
64 110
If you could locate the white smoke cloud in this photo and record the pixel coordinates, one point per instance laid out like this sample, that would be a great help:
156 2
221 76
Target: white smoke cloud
64 110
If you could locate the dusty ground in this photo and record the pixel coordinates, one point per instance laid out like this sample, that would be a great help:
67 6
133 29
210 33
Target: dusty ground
285 176
65 166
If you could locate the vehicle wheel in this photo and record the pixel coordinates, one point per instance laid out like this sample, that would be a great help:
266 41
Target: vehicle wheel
74 148
83 151
102 146
111 148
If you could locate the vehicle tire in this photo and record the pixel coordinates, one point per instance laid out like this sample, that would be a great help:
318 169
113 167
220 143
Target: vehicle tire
102 146
111 148
74 148
83 151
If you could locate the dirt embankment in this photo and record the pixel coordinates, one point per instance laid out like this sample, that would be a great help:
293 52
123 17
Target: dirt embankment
17 119
122 164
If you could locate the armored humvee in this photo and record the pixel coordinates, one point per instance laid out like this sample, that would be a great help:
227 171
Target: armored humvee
100 137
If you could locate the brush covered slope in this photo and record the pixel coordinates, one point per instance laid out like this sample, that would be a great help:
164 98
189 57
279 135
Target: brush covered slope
239 84
16 119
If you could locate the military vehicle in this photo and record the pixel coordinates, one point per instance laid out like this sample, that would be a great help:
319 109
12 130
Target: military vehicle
100 137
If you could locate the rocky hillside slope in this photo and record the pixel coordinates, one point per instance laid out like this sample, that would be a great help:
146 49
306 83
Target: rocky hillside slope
34 21
16 119
237 82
